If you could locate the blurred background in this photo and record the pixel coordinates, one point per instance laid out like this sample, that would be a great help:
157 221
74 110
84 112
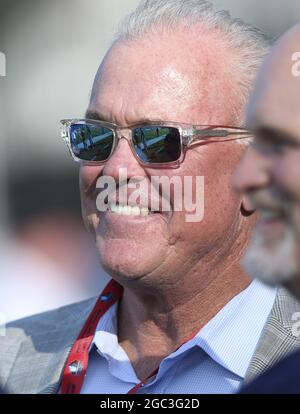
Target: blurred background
53 49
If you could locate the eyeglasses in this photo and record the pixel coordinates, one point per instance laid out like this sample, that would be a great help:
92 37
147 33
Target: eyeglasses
155 144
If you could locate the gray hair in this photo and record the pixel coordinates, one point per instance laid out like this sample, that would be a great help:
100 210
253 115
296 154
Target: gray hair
250 43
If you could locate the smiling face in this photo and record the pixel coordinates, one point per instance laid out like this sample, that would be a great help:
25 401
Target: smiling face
160 78
270 172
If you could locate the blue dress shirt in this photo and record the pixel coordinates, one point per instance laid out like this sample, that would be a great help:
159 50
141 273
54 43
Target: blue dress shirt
215 361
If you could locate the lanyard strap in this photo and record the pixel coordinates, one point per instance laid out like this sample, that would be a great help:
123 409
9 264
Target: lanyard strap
77 362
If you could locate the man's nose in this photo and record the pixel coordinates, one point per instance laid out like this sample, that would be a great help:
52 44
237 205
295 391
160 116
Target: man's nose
123 158
252 173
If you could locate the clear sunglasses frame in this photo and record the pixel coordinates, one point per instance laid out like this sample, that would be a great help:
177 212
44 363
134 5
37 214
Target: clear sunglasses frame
190 135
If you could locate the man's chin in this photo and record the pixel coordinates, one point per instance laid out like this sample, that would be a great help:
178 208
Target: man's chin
273 265
127 260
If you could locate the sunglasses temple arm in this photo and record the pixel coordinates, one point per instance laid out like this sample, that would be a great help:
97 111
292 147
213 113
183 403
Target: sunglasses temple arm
219 133
205 135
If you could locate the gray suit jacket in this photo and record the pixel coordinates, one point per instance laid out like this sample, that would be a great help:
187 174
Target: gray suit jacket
34 350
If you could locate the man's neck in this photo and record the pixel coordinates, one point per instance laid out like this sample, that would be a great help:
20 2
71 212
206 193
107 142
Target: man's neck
153 324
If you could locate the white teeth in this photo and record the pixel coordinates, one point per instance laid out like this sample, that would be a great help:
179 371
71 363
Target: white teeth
145 211
114 208
129 210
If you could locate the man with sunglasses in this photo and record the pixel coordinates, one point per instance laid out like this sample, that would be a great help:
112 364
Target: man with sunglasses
269 176
179 315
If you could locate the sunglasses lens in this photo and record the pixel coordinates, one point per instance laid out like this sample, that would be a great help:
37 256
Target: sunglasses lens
156 144
90 142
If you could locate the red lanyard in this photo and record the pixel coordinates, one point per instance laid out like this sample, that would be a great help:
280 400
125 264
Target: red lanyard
77 362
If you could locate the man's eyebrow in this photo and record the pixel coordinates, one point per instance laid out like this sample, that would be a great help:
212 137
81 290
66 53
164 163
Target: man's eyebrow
97 116
147 121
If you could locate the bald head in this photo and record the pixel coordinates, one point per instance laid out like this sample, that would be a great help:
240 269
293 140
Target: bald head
275 102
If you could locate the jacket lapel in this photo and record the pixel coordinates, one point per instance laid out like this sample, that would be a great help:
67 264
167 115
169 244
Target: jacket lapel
278 339
42 355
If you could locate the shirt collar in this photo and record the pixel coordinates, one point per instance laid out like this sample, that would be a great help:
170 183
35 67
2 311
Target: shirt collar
106 343
229 338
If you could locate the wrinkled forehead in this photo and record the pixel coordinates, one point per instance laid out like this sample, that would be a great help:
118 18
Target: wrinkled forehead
169 76
275 102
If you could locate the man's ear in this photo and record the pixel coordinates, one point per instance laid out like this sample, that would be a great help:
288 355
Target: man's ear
247 209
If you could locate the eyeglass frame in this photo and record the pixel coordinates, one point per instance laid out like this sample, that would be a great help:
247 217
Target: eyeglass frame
189 137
